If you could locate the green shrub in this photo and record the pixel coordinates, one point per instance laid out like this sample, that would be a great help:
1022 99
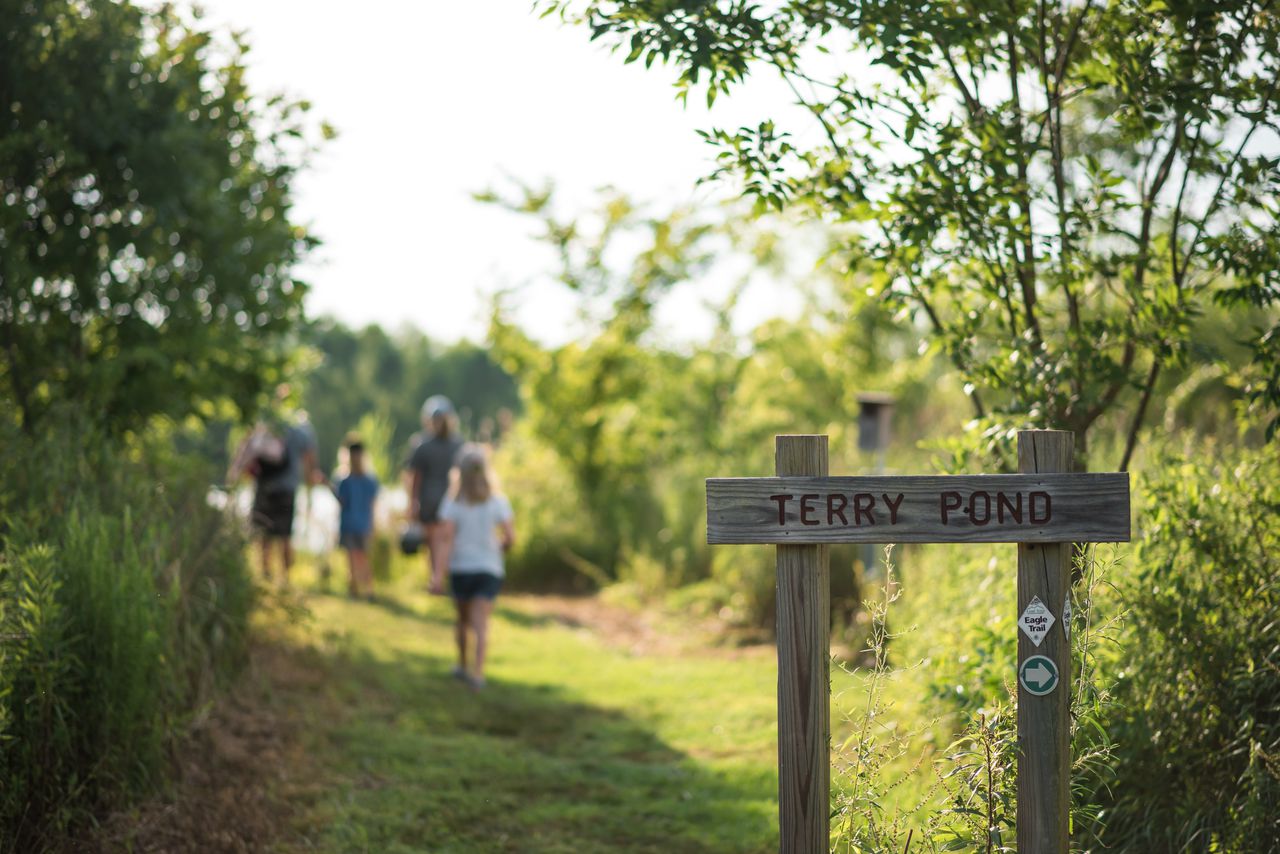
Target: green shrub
124 600
1196 719
1176 659
557 547
960 599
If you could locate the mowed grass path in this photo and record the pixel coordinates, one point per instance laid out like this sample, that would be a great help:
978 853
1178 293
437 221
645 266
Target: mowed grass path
576 744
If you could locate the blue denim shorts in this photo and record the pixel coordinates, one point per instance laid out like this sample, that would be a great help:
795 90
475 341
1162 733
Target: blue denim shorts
474 585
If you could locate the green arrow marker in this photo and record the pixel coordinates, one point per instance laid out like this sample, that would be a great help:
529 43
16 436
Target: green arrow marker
1039 675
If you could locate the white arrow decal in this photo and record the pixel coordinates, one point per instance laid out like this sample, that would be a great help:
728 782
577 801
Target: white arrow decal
1039 675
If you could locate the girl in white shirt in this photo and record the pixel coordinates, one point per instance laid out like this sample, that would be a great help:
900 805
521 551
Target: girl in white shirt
478 529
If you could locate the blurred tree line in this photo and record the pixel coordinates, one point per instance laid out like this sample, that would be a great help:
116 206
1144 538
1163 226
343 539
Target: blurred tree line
375 382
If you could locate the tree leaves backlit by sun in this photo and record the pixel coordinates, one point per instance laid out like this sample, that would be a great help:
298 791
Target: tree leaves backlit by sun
146 245
1057 191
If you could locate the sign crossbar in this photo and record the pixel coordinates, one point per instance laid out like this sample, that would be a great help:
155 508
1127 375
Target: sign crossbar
982 508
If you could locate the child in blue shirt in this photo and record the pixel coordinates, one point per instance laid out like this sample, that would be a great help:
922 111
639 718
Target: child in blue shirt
356 493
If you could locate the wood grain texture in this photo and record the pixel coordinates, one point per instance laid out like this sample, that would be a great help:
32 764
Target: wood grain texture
995 508
1044 749
804 678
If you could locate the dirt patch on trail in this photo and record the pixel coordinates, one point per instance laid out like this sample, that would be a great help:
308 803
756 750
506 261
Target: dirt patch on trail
642 631
239 776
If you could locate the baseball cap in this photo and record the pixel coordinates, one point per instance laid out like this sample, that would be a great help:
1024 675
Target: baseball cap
437 405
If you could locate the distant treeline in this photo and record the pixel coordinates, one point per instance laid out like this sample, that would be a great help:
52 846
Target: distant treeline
369 372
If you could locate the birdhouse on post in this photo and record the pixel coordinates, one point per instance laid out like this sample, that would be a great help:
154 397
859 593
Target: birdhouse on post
875 412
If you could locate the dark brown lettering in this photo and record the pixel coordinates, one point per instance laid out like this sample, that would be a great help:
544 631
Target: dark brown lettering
1015 510
948 501
1046 513
863 504
893 507
986 507
805 509
833 510
782 506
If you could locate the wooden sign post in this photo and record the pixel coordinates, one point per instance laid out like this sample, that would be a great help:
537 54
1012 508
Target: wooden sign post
1044 508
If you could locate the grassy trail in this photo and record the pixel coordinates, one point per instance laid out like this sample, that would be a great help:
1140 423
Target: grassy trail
580 742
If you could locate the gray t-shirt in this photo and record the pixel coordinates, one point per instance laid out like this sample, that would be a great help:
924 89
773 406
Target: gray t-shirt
432 459
299 440
476 547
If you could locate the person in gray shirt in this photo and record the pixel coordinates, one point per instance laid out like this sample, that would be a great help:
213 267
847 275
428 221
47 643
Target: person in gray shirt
429 465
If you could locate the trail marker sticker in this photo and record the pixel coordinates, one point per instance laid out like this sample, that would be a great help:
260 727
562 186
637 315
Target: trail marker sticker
1066 617
1036 620
1039 675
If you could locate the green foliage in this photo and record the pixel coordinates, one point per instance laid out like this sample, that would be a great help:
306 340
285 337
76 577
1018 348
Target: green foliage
952 647
1057 191
1196 719
965 597
34 665
146 246
554 549
981 787
864 816
623 428
1176 688
592 401
891 793
377 433
124 599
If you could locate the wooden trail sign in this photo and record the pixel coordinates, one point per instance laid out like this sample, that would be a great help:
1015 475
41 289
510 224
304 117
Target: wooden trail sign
1045 509
983 508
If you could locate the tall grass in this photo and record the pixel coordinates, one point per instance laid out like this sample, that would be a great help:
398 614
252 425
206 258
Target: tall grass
123 601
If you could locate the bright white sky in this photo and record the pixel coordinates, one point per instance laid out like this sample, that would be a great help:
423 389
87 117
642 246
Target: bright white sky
436 100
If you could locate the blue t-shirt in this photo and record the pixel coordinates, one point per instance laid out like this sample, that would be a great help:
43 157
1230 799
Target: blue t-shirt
356 493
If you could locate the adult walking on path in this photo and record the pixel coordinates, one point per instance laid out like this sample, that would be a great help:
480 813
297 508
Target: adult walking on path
280 458
429 464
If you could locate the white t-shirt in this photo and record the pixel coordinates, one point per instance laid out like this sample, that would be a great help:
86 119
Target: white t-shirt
476 546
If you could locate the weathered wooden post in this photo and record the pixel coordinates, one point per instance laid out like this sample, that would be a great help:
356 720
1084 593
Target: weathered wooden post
1045 508
1044 666
804 670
